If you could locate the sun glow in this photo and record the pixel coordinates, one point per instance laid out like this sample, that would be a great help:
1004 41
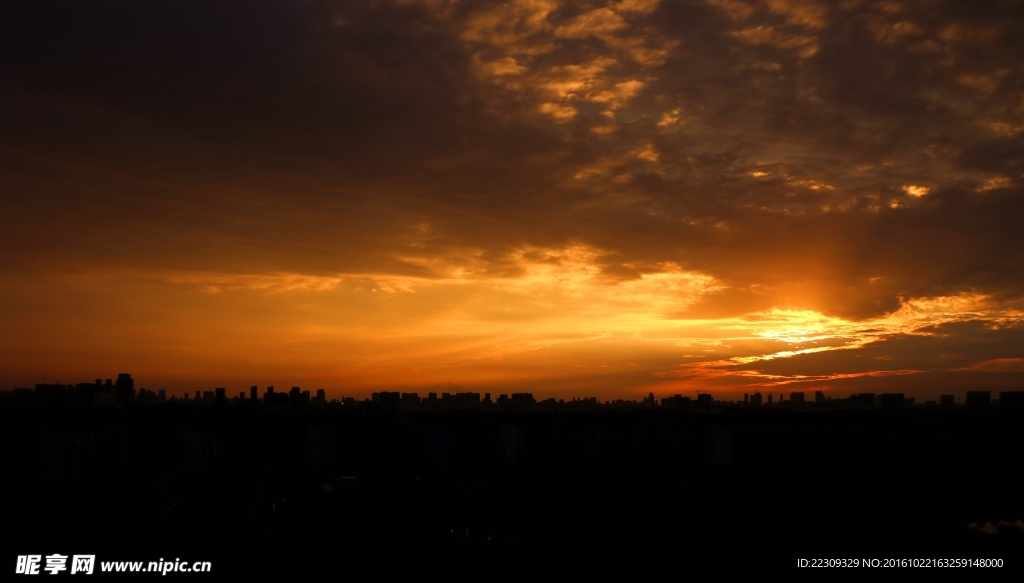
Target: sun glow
532 315
916 317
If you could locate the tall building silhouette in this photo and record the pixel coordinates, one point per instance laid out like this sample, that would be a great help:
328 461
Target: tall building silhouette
979 399
1011 400
124 389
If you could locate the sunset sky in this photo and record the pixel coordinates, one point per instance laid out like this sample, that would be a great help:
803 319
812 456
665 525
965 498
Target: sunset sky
566 198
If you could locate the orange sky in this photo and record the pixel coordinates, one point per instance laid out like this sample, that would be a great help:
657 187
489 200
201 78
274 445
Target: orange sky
570 199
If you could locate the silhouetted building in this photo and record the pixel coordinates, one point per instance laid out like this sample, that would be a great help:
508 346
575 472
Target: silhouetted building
387 401
947 400
272 399
124 389
252 393
863 399
50 393
676 402
890 400
464 401
1011 399
410 401
321 396
522 401
819 397
145 396
705 399
584 404
755 399
83 395
979 399
430 403
103 395
219 396
796 397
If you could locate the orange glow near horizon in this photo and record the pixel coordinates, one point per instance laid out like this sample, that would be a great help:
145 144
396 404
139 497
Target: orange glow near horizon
558 326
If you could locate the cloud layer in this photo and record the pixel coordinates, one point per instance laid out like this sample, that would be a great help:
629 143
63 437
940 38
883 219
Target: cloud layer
584 192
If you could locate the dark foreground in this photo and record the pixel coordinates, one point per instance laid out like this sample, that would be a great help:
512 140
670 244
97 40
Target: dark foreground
264 490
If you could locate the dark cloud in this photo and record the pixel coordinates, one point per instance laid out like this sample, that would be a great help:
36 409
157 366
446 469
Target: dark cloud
842 157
